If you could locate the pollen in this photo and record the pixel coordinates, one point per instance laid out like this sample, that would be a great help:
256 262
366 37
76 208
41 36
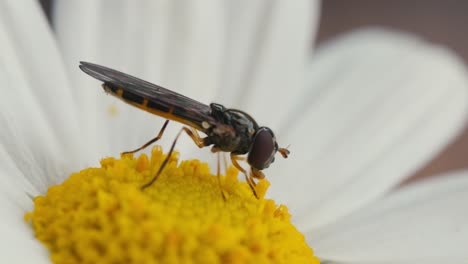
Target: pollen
102 215
112 110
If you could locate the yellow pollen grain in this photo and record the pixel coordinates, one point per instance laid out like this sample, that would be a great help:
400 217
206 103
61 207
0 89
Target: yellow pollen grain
101 215
113 110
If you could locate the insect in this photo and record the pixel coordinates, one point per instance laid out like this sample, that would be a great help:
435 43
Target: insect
226 130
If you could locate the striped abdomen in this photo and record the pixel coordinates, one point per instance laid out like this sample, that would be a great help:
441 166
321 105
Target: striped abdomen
158 105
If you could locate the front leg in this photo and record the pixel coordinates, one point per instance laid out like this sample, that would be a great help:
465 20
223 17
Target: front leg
249 180
257 174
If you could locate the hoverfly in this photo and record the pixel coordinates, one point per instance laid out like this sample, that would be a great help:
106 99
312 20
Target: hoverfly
227 130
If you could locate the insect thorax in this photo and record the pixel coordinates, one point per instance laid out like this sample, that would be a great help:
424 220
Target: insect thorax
234 130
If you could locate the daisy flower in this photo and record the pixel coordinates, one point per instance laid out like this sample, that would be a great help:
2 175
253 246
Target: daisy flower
361 113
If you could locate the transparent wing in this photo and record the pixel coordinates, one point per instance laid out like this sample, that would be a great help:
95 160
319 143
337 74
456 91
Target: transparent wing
169 102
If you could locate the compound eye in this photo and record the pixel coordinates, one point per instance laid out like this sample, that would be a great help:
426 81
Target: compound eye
263 149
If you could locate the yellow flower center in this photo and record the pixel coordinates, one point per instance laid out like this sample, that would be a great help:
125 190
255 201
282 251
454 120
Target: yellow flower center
101 215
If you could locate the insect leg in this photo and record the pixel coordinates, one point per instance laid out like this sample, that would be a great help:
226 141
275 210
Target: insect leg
200 142
225 162
193 134
218 153
151 141
241 158
249 180
226 165
218 175
257 174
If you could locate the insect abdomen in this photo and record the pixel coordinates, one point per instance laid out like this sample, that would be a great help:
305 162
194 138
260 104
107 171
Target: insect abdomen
150 105
135 99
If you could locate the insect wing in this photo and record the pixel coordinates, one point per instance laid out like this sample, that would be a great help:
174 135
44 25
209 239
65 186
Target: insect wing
164 102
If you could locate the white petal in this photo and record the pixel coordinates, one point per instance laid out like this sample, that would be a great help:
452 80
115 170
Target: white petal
380 105
270 44
19 245
420 223
24 31
37 117
17 240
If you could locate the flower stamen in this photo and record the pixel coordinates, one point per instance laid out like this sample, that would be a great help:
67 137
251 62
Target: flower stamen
101 215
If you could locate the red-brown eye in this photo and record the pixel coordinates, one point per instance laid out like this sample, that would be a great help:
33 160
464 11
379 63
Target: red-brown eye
263 149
